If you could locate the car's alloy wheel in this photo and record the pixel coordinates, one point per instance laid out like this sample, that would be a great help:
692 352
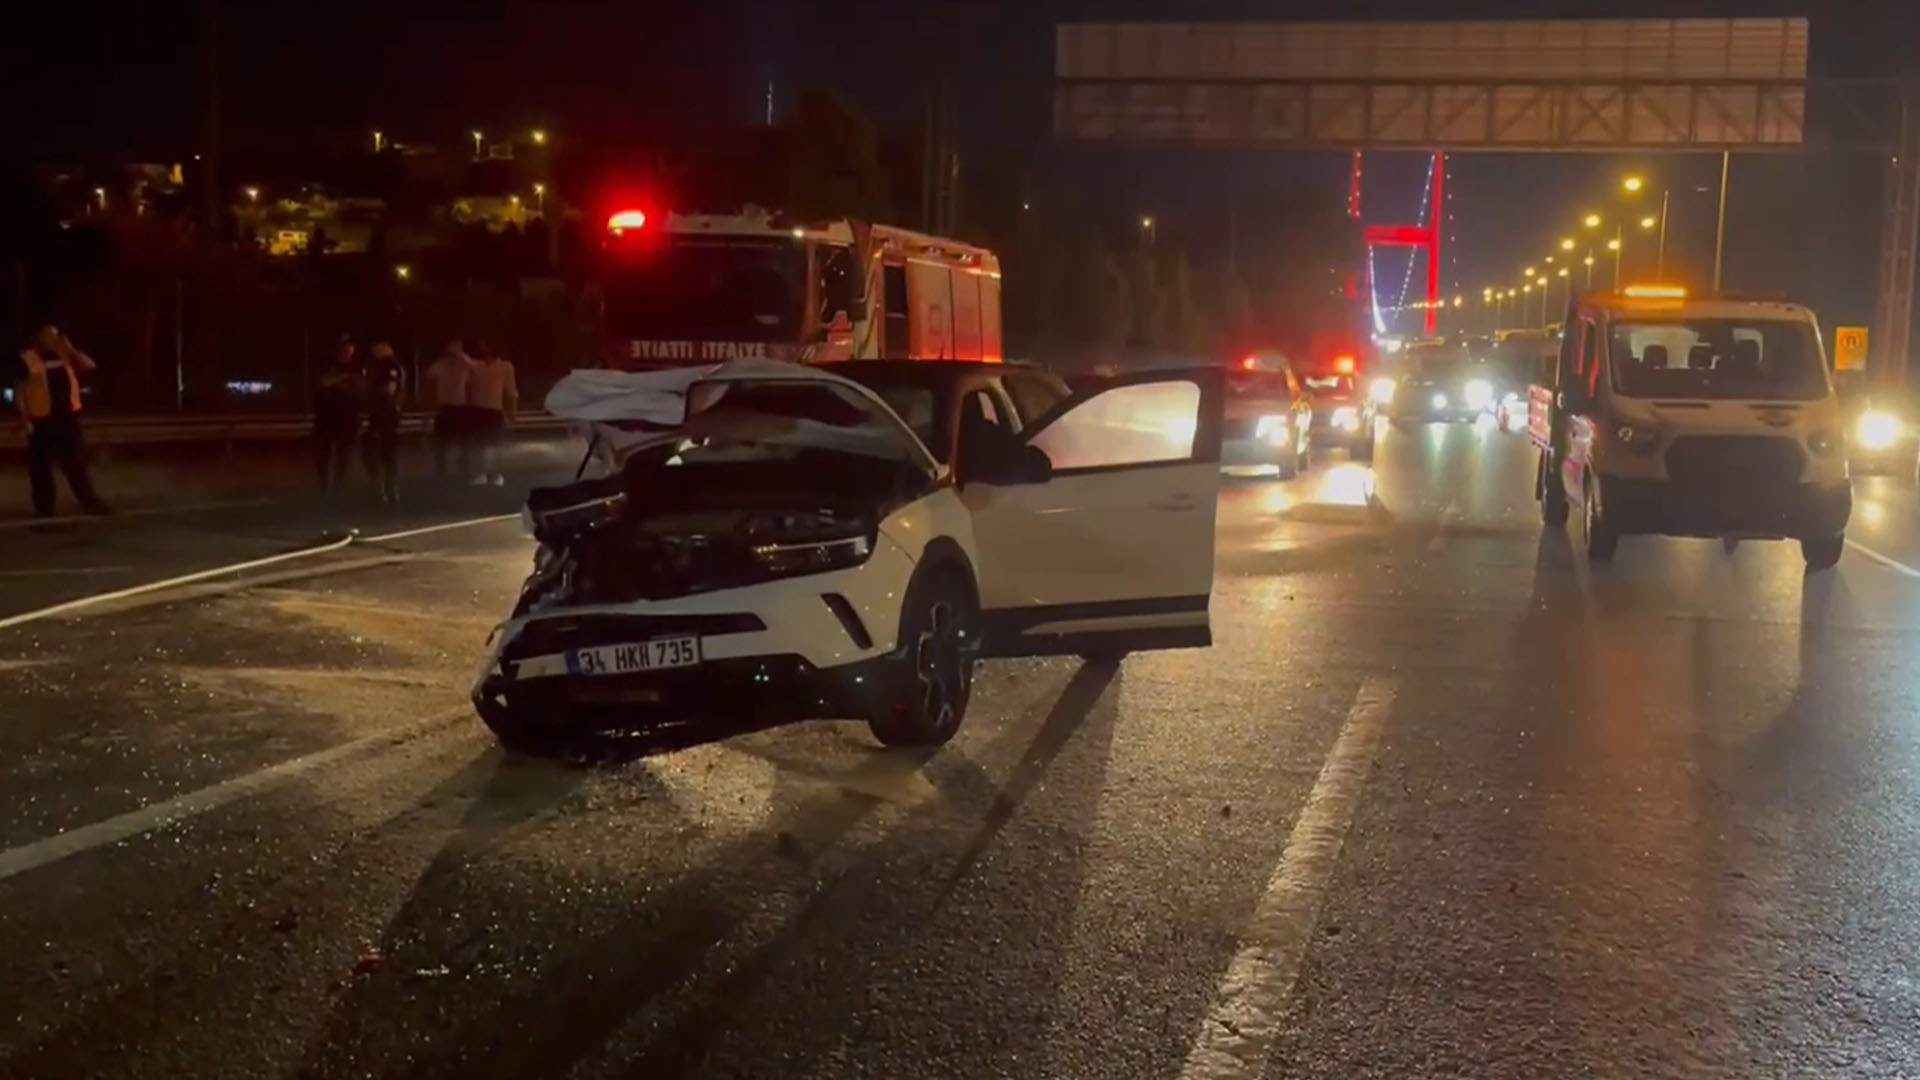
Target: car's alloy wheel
934 681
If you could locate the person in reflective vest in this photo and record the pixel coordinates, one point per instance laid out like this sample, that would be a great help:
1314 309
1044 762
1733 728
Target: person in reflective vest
46 391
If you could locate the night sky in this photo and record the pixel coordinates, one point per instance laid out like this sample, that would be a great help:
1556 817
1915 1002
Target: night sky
88 75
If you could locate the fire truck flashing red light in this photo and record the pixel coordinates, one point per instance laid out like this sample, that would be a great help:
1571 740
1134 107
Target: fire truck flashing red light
1343 364
627 219
1249 363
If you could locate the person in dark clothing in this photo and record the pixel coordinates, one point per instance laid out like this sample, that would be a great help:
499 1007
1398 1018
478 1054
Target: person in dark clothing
381 448
46 389
336 417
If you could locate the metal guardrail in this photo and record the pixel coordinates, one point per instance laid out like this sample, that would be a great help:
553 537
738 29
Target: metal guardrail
156 430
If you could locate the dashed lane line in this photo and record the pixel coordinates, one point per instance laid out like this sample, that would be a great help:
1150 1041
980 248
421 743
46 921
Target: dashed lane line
1238 1031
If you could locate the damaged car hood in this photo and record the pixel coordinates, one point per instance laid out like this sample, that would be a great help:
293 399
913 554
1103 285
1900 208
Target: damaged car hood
623 411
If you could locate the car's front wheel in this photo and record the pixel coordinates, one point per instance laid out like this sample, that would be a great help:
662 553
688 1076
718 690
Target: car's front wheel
1823 553
933 668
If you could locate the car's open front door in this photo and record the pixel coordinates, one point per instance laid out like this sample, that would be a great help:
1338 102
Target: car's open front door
1114 551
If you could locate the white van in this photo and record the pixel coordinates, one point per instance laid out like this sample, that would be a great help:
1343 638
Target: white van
1678 416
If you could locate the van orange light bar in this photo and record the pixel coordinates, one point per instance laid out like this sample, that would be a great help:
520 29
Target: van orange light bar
1343 364
1655 292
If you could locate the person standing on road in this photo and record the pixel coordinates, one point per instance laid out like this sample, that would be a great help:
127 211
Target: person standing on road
493 394
448 380
381 449
336 417
46 390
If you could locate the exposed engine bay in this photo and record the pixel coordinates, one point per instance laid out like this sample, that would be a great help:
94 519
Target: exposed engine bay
672 523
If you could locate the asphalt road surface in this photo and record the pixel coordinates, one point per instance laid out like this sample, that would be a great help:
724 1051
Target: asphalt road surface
1441 801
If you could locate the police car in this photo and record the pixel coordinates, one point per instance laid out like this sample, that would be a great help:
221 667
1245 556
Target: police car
772 542
1694 416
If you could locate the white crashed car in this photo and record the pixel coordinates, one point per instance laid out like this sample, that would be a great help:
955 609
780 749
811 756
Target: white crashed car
771 542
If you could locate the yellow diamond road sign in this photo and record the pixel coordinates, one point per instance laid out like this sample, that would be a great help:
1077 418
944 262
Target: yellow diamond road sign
1849 348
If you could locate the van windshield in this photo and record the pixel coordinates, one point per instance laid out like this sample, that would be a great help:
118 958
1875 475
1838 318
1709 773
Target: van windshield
1719 359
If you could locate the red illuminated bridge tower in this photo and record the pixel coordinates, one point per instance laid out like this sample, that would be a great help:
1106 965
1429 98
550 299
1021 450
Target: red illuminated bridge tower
1423 237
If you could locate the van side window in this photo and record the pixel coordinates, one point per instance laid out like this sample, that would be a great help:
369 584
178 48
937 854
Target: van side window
893 283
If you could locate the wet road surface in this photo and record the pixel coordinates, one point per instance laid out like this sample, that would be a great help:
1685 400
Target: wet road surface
1441 801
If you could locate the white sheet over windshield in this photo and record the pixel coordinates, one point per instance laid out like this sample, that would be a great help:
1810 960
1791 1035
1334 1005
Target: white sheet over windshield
738 402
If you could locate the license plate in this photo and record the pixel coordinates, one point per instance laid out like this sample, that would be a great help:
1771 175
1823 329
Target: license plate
636 657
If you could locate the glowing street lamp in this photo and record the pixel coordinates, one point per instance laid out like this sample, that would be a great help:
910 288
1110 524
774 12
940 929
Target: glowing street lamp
539 137
1591 221
477 137
252 193
1527 273
1649 222
1632 184
1567 244
1613 244
403 271
379 140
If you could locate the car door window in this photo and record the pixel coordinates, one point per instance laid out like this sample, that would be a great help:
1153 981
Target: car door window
1033 397
1134 424
982 418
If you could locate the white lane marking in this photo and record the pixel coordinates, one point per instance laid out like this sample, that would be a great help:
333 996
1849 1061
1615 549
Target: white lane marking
168 583
121 515
235 568
443 527
1238 1031
26 857
1889 563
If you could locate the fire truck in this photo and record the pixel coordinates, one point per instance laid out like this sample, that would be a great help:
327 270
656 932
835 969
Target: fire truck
697 288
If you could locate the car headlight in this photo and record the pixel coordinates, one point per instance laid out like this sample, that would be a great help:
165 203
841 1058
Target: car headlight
814 556
1381 391
1876 430
1439 401
1479 393
1346 418
1273 428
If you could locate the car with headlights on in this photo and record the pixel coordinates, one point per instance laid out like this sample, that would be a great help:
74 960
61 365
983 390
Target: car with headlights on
772 542
1440 382
1343 416
1881 434
1269 417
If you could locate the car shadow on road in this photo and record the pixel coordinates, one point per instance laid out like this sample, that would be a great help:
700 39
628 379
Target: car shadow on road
592 1001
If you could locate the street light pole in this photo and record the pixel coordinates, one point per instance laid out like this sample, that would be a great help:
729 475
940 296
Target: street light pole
1660 266
1720 231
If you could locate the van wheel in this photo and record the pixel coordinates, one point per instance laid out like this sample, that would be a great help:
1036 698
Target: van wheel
933 672
1823 553
1554 510
1602 539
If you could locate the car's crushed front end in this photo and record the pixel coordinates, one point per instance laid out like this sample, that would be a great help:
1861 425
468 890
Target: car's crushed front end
743 569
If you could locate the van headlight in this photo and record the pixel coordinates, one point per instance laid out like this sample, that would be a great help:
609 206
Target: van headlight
1877 430
1479 393
1381 391
1272 428
1346 418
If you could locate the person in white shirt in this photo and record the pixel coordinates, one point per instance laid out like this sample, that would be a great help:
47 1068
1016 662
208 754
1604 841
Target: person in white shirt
447 381
492 395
